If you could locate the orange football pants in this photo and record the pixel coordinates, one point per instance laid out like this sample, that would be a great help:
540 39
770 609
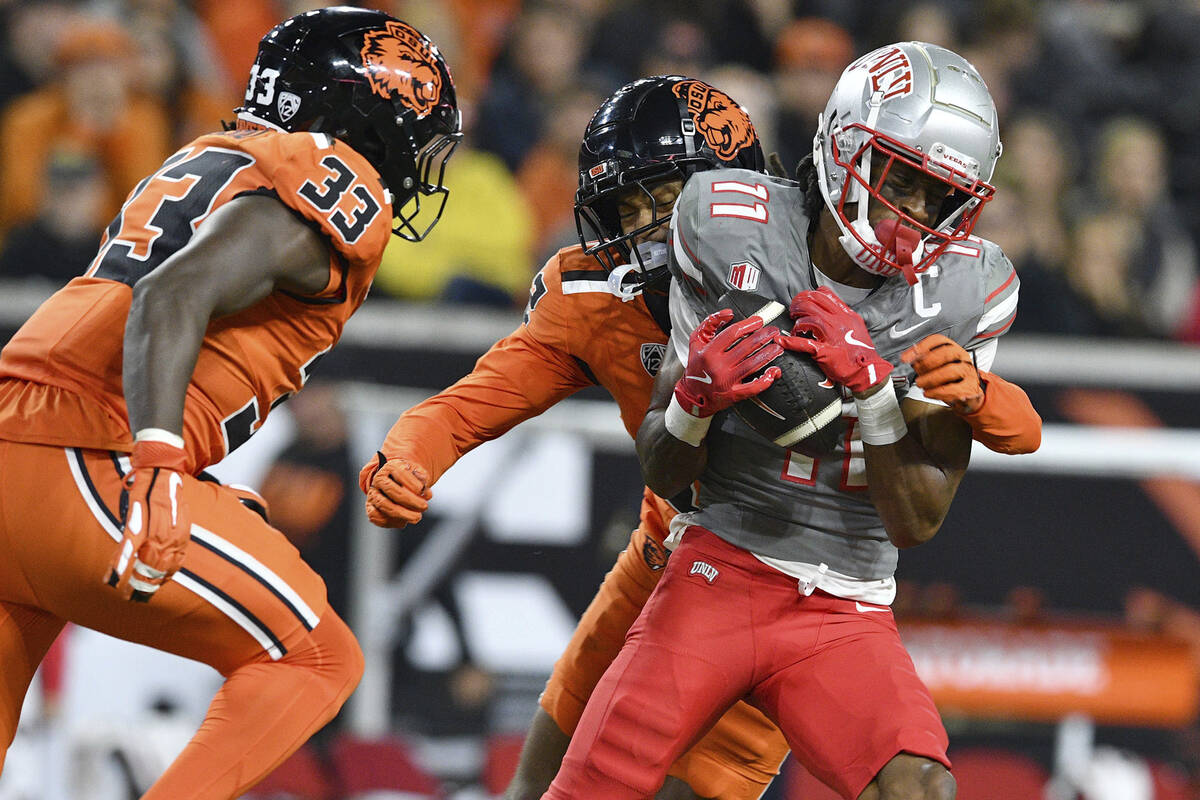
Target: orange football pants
244 602
736 760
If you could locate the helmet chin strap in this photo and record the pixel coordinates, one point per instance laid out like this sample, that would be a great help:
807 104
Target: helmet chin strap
628 280
905 242
864 245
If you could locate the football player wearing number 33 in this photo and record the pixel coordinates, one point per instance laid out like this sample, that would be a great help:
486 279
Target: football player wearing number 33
226 276
778 589
603 320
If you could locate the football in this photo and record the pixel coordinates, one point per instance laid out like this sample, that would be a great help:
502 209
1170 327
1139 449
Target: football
802 409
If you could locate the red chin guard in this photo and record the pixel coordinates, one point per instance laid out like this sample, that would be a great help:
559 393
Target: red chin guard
901 240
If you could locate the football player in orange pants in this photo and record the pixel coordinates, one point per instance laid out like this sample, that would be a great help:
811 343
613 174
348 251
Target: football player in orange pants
597 315
226 276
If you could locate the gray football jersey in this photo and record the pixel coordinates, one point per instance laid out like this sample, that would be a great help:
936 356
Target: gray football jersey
741 229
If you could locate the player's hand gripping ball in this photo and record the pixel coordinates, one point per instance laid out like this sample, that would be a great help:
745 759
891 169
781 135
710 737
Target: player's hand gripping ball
726 362
397 490
835 335
801 409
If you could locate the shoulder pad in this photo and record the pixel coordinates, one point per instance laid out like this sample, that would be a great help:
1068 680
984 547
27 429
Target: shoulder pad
562 294
977 287
738 229
328 183
1001 287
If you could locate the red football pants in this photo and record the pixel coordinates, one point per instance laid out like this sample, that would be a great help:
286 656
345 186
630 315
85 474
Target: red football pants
722 626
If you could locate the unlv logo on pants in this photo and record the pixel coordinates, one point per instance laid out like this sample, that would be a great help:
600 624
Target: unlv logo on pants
704 570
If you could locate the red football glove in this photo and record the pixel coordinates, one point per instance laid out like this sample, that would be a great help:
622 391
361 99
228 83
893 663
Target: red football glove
839 340
720 361
155 520
397 490
946 372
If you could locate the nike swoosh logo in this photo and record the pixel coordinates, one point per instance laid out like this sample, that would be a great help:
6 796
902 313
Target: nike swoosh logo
703 378
896 332
861 607
174 483
767 408
851 340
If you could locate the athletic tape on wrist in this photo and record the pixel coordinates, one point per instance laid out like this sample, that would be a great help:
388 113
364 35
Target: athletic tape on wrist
684 426
879 418
158 435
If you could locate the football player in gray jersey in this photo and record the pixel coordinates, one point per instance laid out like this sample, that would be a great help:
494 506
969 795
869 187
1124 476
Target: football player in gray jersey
779 587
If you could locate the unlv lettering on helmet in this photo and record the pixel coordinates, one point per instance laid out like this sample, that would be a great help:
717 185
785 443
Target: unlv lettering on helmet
726 128
399 63
891 72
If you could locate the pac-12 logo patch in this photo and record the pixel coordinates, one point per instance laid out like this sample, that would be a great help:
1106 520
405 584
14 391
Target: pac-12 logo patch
744 275
288 104
652 354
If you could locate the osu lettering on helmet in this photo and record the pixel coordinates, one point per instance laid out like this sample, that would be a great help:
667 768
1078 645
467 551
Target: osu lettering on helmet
921 106
651 131
373 82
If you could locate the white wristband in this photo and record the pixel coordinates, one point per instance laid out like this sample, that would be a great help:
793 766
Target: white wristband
879 418
684 426
159 435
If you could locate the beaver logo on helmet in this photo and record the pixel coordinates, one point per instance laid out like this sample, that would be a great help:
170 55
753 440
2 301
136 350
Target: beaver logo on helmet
722 122
399 61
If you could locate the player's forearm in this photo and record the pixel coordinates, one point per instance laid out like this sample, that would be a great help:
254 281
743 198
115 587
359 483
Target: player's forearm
669 465
163 334
911 494
517 379
1006 422
913 478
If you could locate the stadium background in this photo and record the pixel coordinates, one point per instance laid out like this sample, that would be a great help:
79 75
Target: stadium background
1057 615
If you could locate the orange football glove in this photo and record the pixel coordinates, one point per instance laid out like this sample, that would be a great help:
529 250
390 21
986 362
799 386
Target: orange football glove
397 491
946 372
155 520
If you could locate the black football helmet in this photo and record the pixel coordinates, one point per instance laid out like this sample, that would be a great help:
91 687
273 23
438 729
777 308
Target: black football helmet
650 131
375 83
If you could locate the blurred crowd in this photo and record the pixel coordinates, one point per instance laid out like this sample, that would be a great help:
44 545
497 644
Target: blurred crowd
1099 118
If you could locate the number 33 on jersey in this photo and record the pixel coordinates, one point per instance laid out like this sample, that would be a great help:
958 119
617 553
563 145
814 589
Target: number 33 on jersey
320 179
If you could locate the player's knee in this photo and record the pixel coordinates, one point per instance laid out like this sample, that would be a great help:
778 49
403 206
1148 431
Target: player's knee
908 777
333 654
348 654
